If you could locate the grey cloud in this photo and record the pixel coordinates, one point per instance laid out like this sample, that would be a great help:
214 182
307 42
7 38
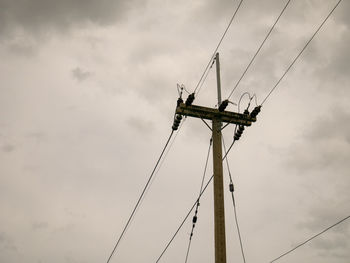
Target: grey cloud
334 67
334 126
22 47
39 225
6 243
336 240
140 125
37 135
42 16
7 148
329 54
80 74
340 242
342 14
75 214
326 144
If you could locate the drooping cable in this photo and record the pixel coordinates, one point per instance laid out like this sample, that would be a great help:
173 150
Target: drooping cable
311 238
234 203
301 52
260 47
163 159
184 220
194 220
189 212
140 198
217 47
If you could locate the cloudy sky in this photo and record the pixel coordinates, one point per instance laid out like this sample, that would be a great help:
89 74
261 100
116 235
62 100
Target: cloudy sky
87 95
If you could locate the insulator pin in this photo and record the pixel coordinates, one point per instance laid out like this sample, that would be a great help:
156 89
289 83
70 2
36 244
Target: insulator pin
190 99
223 105
255 112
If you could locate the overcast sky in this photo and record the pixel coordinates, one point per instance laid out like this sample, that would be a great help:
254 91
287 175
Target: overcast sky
87 95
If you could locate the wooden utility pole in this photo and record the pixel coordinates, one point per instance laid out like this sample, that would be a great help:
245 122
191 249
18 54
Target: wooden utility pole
219 206
217 117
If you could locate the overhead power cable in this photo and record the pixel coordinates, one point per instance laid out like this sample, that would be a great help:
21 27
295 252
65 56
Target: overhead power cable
199 85
140 198
234 204
194 220
184 220
258 50
189 212
163 159
296 58
311 238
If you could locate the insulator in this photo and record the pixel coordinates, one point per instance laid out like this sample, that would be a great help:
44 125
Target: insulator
255 112
246 112
177 121
239 132
179 101
240 129
194 220
190 99
223 105
231 187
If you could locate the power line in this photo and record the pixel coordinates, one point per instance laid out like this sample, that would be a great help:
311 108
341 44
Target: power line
311 238
189 212
140 198
194 221
296 58
162 161
234 204
184 220
261 45
217 47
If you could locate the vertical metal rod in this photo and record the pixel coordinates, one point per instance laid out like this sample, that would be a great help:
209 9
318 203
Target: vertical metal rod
218 79
219 206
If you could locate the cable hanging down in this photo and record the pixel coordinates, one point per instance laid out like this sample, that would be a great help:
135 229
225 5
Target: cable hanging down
194 220
140 197
231 187
301 52
199 85
258 50
189 212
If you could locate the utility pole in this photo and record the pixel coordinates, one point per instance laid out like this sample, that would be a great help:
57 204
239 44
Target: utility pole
217 116
219 206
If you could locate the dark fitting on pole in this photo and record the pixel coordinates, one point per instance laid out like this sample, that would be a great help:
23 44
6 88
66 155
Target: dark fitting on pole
239 132
255 112
223 105
189 99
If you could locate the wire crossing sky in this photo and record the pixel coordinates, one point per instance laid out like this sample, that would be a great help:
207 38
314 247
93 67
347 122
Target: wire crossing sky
87 95
311 238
